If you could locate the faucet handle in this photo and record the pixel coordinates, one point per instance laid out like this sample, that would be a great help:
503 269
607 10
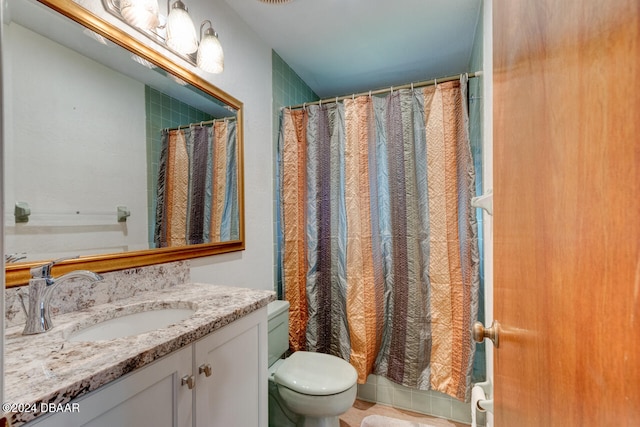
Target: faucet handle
44 271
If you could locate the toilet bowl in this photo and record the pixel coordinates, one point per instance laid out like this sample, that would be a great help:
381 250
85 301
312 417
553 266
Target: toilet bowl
306 389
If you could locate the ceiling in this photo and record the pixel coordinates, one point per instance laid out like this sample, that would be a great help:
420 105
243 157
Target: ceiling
339 47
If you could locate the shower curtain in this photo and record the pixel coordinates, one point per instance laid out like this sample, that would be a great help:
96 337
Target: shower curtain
377 236
197 186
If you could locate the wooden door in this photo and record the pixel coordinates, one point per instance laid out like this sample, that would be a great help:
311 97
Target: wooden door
567 212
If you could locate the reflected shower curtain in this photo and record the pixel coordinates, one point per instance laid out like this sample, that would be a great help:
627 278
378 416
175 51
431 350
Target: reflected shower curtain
378 238
197 186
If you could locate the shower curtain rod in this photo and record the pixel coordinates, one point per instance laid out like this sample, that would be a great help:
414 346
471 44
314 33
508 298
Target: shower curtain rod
389 89
208 122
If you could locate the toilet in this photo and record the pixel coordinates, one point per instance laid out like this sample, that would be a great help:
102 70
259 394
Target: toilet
306 389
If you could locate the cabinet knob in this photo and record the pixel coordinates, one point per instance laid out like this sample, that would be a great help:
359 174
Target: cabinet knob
206 368
189 380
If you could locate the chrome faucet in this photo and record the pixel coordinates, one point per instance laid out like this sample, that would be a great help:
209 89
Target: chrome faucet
41 287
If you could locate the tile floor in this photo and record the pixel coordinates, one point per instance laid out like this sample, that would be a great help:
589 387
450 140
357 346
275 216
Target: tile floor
360 409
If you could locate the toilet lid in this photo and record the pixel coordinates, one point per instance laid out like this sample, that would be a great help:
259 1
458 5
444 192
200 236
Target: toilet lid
315 374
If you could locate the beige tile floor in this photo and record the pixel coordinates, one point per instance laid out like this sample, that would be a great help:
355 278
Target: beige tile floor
360 409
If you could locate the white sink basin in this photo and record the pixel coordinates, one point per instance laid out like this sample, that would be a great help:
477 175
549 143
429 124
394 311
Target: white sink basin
131 324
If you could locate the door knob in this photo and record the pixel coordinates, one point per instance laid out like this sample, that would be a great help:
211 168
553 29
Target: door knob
480 332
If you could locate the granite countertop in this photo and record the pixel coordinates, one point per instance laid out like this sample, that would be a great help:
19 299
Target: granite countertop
47 368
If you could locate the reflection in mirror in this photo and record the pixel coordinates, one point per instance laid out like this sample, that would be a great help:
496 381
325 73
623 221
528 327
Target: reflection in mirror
196 197
107 153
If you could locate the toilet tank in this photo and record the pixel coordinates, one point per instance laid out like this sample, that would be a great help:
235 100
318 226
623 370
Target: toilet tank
278 338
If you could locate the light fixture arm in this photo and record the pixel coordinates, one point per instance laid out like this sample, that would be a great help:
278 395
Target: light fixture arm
209 31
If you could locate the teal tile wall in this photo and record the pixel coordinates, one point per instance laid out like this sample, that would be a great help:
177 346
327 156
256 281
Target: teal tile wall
162 112
288 90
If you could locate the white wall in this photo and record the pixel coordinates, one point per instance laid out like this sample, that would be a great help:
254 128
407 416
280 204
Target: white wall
47 85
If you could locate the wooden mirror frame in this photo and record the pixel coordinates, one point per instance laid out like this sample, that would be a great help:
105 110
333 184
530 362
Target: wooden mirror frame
18 274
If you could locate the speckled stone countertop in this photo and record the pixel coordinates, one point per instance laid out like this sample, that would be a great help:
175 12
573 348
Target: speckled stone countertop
47 368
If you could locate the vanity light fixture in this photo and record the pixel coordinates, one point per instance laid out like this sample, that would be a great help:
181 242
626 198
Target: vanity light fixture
181 33
178 33
210 55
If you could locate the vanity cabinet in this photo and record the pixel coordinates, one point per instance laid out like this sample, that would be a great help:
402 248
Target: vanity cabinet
220 380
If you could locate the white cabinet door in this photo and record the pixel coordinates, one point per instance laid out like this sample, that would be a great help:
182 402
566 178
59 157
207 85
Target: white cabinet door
150 397
235 393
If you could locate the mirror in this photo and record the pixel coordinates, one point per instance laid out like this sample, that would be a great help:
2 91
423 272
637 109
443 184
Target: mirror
113 152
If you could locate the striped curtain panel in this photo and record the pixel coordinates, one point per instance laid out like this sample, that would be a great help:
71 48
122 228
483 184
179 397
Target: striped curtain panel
378 239
197 186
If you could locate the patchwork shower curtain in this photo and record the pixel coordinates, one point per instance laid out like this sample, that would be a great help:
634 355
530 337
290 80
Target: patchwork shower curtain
378 238
197 186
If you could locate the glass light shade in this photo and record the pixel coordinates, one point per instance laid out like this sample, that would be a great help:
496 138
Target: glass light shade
140 13
181 33
210 54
